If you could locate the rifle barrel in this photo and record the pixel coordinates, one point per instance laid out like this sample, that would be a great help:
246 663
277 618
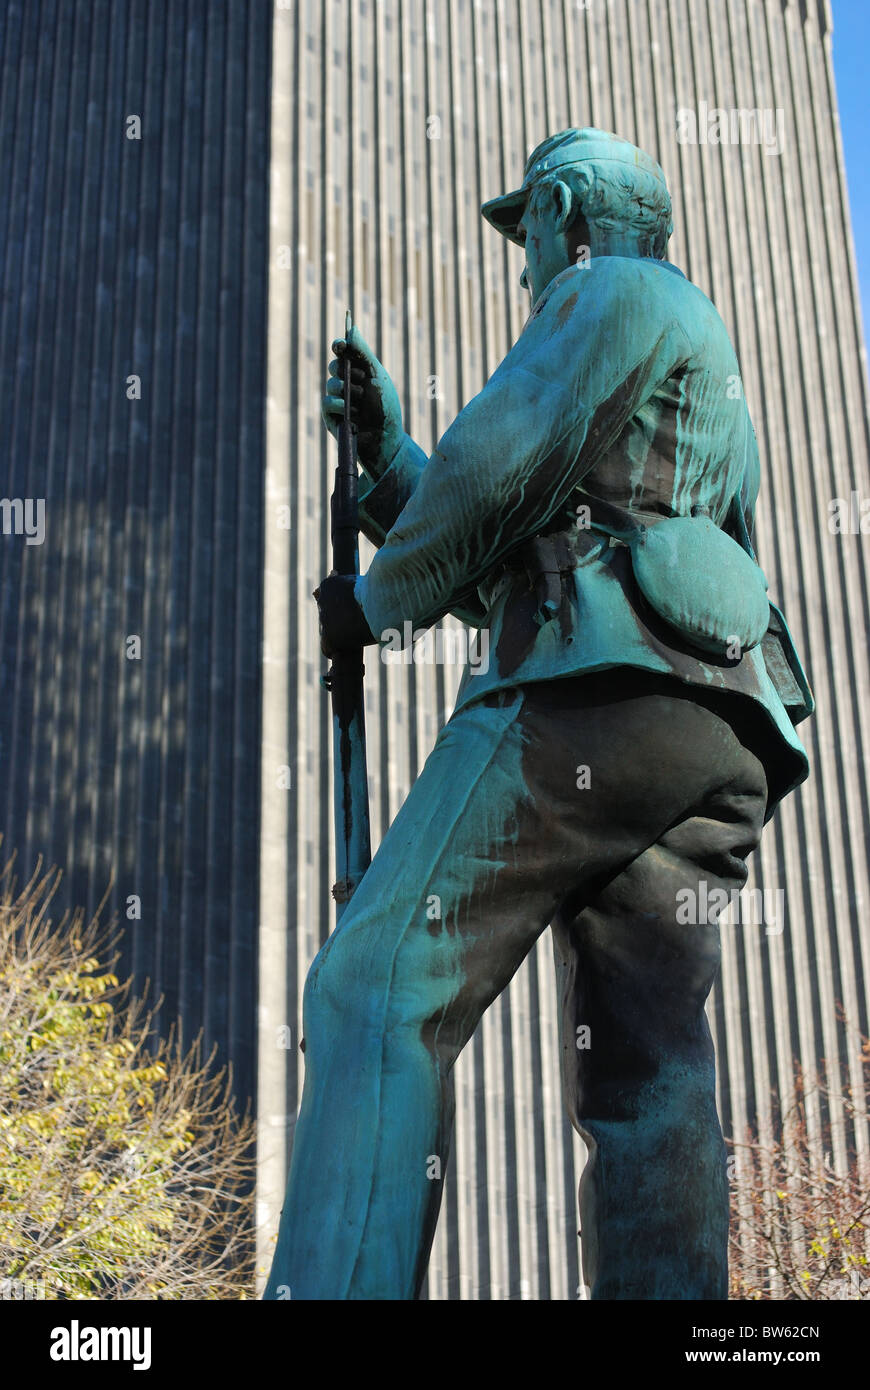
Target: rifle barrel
345 678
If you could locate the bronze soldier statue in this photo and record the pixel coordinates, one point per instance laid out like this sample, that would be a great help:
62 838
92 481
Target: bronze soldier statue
591 509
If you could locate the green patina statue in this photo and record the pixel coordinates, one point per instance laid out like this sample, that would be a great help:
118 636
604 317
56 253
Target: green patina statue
614 759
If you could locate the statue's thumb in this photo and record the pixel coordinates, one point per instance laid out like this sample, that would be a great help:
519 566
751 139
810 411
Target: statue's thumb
357 343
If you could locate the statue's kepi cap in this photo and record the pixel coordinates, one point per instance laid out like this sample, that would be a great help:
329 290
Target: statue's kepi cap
569 147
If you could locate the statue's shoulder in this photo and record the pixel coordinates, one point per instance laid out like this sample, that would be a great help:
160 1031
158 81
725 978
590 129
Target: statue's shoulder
653 293
616 278
628 289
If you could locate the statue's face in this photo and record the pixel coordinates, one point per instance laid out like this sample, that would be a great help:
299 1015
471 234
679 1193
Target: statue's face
549 247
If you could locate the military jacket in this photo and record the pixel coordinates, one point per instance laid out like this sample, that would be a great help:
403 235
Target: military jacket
621 395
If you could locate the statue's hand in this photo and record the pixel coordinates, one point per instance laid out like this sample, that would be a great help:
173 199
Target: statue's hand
343 625
374 402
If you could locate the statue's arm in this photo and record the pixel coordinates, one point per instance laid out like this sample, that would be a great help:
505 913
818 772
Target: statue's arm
382 500
580 370
383 497
392 463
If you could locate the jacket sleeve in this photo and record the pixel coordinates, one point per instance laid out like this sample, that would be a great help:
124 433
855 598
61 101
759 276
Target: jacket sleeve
382 499
597 345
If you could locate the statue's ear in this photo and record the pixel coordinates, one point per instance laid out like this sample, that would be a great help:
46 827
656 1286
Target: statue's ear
563 199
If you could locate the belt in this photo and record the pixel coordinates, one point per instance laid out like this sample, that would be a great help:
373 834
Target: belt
543 561
547 558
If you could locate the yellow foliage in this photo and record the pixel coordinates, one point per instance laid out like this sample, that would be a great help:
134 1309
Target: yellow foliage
101 1174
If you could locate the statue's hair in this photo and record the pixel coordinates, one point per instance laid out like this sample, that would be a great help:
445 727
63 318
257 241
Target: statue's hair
613 195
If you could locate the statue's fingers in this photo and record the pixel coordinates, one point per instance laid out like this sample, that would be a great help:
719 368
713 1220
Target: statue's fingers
332 405
357 374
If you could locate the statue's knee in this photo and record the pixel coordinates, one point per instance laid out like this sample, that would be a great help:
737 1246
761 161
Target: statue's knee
356 988
338 991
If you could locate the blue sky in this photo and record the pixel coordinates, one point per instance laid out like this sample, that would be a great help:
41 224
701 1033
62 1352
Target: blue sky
851 47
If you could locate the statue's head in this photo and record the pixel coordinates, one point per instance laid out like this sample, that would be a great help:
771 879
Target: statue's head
584 190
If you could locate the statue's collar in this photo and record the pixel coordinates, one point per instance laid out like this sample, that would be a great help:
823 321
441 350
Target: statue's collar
666 265
563 275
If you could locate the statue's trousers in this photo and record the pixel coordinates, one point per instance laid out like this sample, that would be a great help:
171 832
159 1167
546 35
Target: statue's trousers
605 806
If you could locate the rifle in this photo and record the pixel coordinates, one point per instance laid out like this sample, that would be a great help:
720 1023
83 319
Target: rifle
344 679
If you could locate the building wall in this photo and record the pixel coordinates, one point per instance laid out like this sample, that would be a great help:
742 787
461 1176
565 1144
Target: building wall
391 123
141 257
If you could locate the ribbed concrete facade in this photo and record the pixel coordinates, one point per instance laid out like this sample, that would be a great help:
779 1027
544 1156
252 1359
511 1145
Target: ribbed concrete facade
128 253
391 123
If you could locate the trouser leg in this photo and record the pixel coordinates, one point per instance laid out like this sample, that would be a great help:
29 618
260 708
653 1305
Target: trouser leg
638 1059
446 913
388 1002
494 836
